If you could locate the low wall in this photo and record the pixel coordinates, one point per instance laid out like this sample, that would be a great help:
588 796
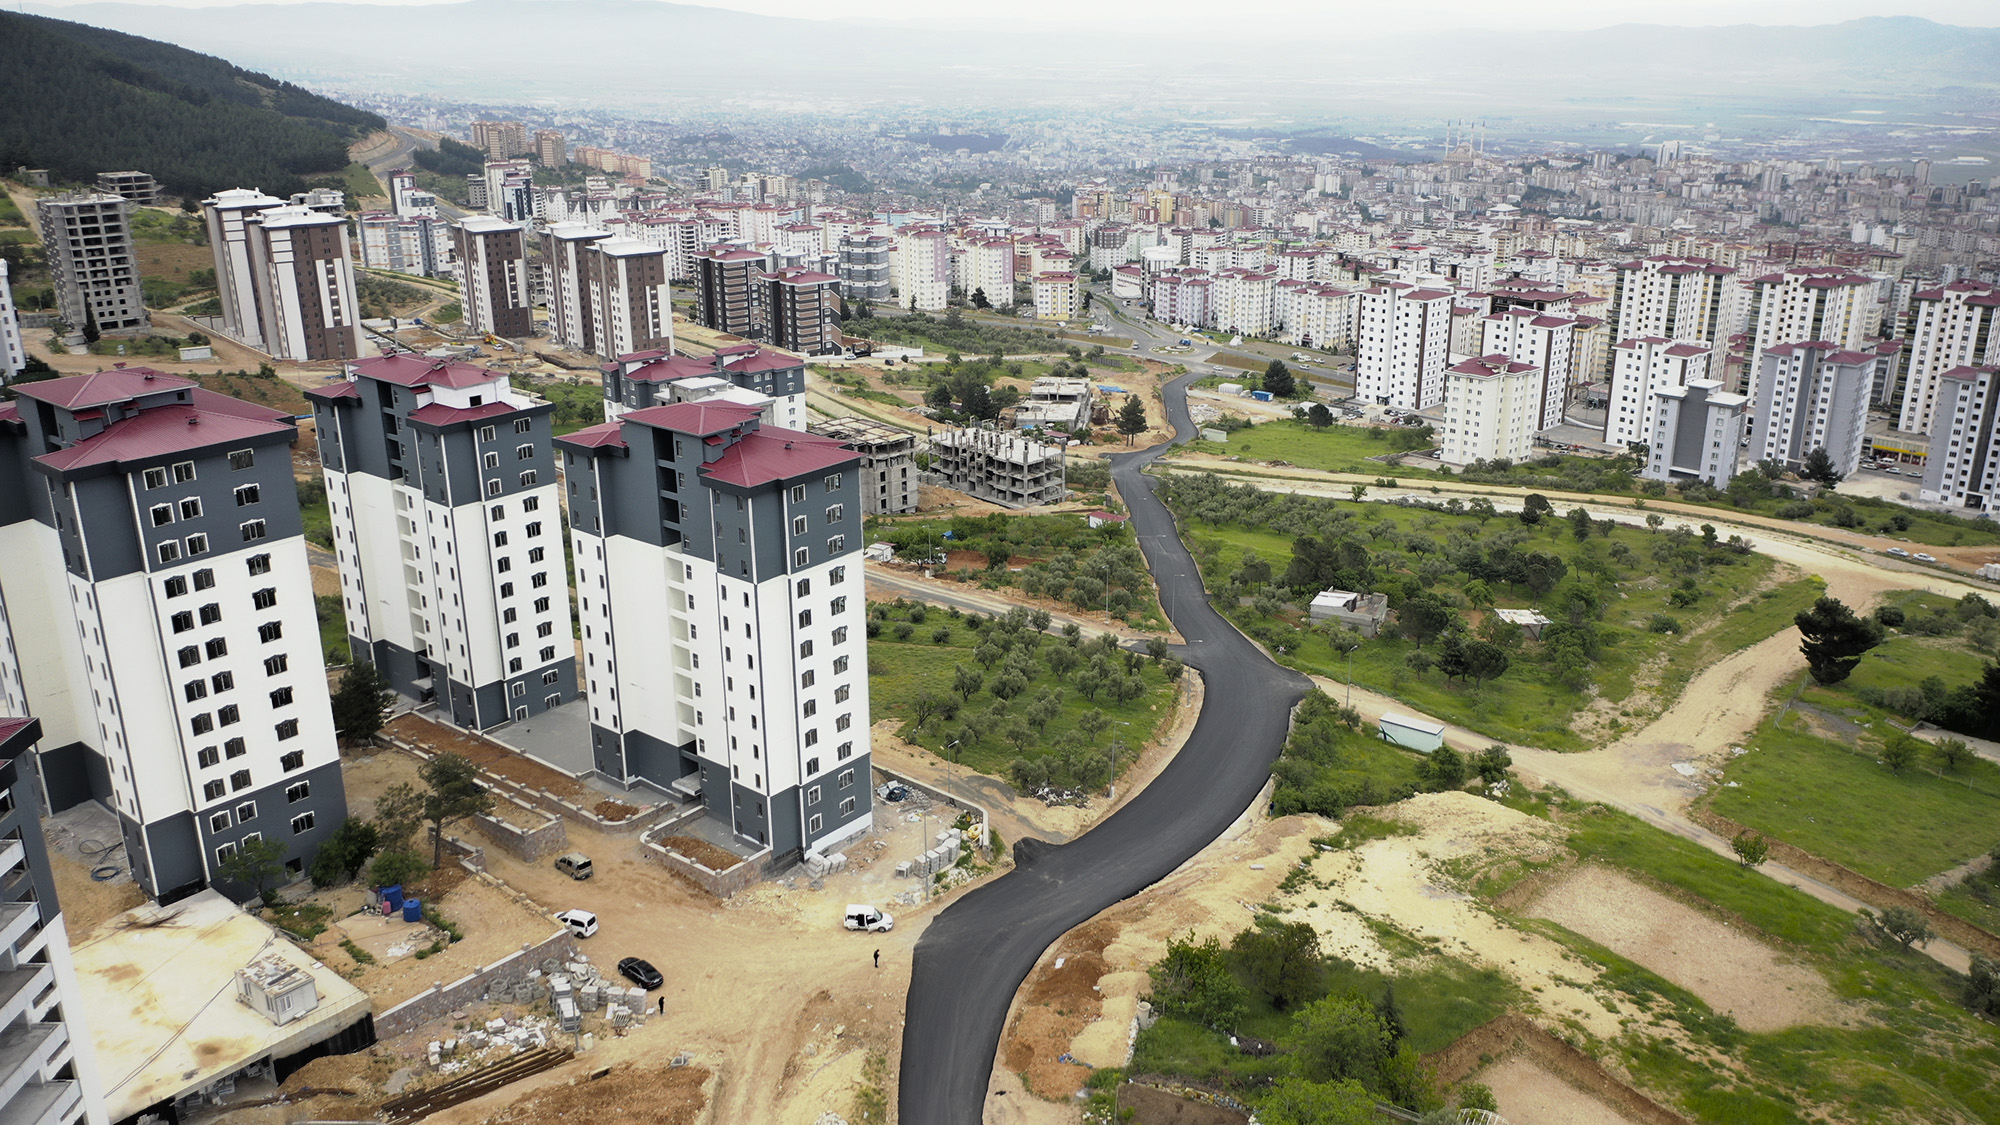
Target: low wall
1500 1037
524 831
981 834
441 1000
721 884
537 798
1878 895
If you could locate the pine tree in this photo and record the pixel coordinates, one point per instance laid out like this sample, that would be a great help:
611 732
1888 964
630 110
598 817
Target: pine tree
1132 418
362 704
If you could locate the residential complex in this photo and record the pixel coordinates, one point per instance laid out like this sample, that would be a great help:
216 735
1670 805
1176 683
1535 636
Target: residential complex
1056 296
1492 407
1813 396
231 215
448 531
1642 367
769 381
87 243
151 545
1697 433
493 276
1010 469
1951 326
719 582
1404 334
284 276
1964 465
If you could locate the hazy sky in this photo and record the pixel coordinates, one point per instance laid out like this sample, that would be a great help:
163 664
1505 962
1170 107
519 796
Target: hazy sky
1272 17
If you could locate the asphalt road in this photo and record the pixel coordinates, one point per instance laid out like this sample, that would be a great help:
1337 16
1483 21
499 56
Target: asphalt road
976 953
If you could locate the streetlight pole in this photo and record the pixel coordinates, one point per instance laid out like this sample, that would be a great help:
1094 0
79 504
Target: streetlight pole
1350 679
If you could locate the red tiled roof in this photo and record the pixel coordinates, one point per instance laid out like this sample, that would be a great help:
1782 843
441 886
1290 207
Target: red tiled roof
411 370
594 437
677 367
11 727
774 454
120 384
438 414
762 360
631 357
10 413
1803 345
217 403
160 431
1969 372
331 392
1682 351
697 418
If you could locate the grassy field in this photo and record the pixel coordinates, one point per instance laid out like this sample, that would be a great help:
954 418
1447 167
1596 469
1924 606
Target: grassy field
1834 798
272 392
333 630
905 665
1336 449
1059 556
1637 667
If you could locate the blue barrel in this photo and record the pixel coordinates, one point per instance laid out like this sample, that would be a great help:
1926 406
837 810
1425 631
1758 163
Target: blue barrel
413 910
393 896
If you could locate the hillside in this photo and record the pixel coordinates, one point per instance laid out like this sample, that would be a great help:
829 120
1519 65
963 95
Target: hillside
80 100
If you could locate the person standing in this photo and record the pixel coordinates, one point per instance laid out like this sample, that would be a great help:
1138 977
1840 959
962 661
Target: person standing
878 958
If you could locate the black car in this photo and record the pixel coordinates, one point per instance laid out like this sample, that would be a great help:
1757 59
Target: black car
640 972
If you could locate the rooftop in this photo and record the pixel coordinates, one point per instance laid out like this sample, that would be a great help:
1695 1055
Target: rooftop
120 384
211 419
773 454
408 369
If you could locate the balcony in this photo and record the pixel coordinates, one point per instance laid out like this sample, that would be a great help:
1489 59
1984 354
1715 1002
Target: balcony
12 854
19 988
17 921
51 1103
25 1052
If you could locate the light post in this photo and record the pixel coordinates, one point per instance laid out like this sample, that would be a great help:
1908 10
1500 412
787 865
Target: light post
951 771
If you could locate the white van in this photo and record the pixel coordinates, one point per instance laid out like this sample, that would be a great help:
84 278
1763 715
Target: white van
582 923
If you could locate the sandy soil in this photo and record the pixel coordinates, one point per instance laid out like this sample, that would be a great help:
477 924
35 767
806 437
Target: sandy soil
493 922
1733 973
85 902
1529 1093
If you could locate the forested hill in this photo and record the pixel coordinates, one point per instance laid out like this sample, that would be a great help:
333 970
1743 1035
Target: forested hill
81 100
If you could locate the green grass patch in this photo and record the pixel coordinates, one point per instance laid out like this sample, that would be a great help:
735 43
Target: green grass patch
954 332
150 224
315 513
1833 798
1335 449
360 183
578 405
10 213
333 630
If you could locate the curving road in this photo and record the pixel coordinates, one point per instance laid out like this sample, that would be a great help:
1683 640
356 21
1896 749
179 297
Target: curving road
976 953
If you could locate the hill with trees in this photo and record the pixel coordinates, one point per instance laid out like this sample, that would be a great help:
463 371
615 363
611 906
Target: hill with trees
80 100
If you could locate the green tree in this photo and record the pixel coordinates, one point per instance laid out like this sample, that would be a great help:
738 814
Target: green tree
1485 661
1424 617
1818 467
1293 1101
1952 753
396 866
1318 416
259 863
1834 639
1751 848
398 812
1193 981
1281 958
1899 751
453 792
345 852
1982 987
980 300
1278 380
1132 418
1905 925
1339 1038
966 681
361 705
1579 523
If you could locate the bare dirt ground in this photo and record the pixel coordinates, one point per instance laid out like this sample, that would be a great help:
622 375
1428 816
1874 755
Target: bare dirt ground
494 925
510 764
1528 1092
86 902
1732 972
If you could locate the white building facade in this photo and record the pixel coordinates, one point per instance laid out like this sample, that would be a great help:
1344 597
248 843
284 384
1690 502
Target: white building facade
1697 433
1491 404
1641 368
1405 338
1951 326
1964 464
1813 396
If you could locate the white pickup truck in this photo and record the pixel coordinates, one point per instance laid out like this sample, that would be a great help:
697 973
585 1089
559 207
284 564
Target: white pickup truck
863 917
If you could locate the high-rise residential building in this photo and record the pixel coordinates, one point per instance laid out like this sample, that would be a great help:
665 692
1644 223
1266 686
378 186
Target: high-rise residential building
305 285
1697 433
441 480
725 290
1057 295
1405 335
1641 368
47 1075
1683 299
500 139
549 150
230 216
1244 301
1812 396
405 244
1808 303
1491 406
772 381
1542 339
136 188
1951 326
801 311
13 346
565 247
990 271
510 190
888 460
493 276
151 543
864 266
87 243
631 307
922 263
719 581
1963 468
404 195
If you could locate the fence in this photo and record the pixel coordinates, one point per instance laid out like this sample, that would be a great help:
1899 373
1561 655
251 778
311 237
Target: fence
981 834
441 999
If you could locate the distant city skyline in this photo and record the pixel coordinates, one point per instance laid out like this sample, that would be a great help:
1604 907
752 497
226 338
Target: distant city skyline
1570 14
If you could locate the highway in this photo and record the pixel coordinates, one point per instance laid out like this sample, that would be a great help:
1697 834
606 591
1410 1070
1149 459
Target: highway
976 953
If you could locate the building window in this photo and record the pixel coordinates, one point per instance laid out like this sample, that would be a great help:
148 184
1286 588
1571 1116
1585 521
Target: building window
163 514
235 748
240 459
839 665
247 812
197 545
805 618
190 656
537 554
832 482
499 539
506 589
841 693
175 587
195 689
296 759
219 822
531 504
839 605
805 649
270 631
493 487
523 452
528 478
801 557
229 716
211 613
302 823
486 433
542 605
514 665
492 458
847 807
297 791
213 791
812 795
840 635
508 615
281 697
504 565
265 598
548 654
239 781
846 779
259 564
191 508
811 708
540 579
844 751
843 722
183 621
276 664
169 551
513 640
207 756
523 425
806 678
551 676
534 529
798 494
813 823
836 576
836 544
798 525
202 723
183 472
223 853
288 729
222 681
834 513
156 478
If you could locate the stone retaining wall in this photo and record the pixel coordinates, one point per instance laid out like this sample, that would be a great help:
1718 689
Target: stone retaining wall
524 831
537 798
721 884
443 999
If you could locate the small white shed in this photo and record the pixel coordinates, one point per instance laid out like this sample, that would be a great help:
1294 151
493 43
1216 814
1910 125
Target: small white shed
1413 734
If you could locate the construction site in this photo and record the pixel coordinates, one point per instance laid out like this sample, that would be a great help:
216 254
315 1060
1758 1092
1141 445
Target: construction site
1008 469
888 462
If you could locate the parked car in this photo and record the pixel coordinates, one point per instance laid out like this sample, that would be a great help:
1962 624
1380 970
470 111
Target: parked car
582 923
1921 557
861 916
640 972
576 865
1898 552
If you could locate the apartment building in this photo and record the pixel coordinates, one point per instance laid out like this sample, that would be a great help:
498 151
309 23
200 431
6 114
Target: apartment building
1183 296
493 276
1546 341
549 150
412 244
1813 396
1951 326
136 188
13 346
1057 296
888 458
1808 303
990 271
1697 433
631 306
47 1073
1684 299
87 243
150 542
304 281
1963 468
1245 301
441 482
230 215
500 139
1315 315
864 267
1641 367
767 379
726 290
1405 338
802 311
718 576
1491 406
566 247
922 264
1010 469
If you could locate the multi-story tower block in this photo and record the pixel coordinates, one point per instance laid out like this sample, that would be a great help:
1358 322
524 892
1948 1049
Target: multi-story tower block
718 576
1405 335
305 285
150 542
87 241
442 484
1951 326
566 249
493 273
231 216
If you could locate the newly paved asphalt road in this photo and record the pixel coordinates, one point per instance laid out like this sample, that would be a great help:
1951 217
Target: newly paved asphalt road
979 950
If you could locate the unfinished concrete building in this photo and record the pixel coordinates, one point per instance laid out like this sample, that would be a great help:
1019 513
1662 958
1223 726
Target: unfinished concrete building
1051 403
1007 468
888 462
